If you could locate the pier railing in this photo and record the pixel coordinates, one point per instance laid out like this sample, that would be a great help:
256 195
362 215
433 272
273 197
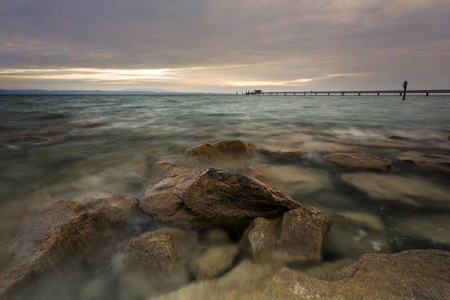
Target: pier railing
342 93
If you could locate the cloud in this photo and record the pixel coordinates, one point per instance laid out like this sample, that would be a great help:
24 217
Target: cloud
275 42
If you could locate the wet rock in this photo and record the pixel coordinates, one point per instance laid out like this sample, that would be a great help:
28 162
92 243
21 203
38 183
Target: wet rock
354 234
223 287
122 205
60 233
159 257
288 156
164 169
419 274
400 190
359 161
213 198
326 147
214 262
222 151
215 237
292 180
434 161
424 231
296 238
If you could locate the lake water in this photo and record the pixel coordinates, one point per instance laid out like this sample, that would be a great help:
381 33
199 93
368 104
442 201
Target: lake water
61 146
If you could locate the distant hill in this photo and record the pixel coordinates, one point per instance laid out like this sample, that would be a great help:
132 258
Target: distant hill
96 92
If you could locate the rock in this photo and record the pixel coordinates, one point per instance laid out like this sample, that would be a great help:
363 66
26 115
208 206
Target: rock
57 234
213 198
155 261
293 180
222 151
223 287
434 161
215 237
296 238
122 204
354 234
359 161
400 190
164 169
289 156
424 231
214 262
326 147
419 274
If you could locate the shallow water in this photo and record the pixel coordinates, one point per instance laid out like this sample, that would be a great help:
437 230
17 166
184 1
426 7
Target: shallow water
58 147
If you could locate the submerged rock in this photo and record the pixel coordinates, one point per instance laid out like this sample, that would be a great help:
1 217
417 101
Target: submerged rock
214 199
164 169
288 156
400 190
214 261
354 234
359 161
326 147
292 180
434 161
159 257
222 151
60 233
215 237
417 274
424 231
295 238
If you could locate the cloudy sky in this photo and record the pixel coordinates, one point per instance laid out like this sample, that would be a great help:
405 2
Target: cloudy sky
224 45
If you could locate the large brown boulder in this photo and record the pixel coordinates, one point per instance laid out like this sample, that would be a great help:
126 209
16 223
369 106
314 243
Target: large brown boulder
295 238
359 161
160 257
432 161
222 151
213 198
415 274
61 232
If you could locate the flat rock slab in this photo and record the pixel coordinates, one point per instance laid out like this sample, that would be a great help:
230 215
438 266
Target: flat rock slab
213 198
293 180
416 274
400 190
434 161
295 238
326 147
359 161
61 232
288 156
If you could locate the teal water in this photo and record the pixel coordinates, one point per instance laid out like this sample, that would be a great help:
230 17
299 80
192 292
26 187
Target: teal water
58 147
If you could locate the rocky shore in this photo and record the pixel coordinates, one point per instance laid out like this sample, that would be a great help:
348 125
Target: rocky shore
232 235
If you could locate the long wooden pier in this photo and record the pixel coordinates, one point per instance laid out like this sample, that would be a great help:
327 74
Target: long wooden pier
342 93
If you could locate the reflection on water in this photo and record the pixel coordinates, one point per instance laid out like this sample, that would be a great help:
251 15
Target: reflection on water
59 147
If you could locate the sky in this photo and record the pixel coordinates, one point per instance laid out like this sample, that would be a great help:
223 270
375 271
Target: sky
224 46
